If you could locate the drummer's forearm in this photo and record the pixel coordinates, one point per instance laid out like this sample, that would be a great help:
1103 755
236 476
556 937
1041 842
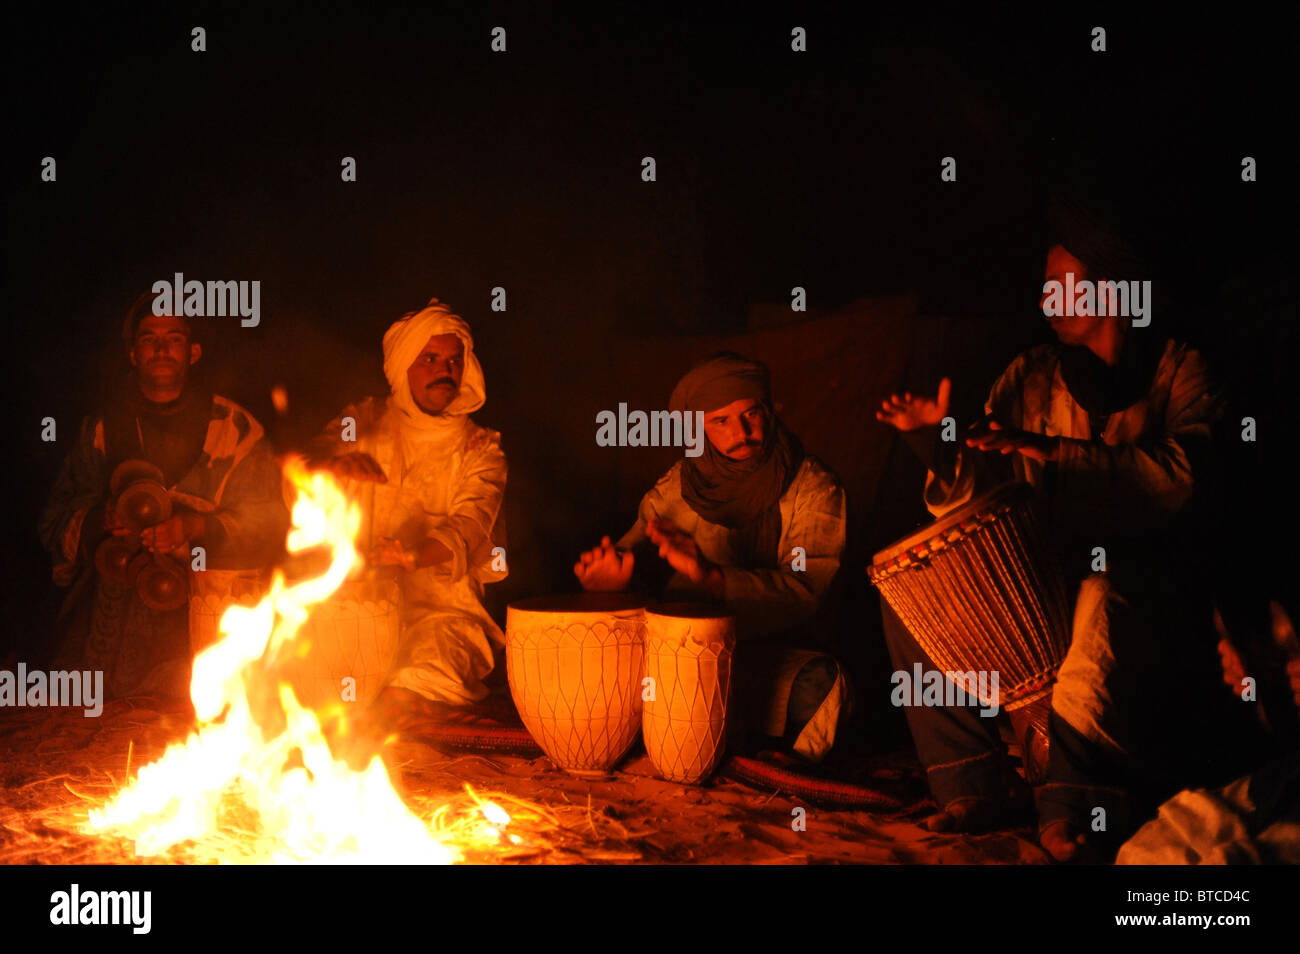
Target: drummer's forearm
772 590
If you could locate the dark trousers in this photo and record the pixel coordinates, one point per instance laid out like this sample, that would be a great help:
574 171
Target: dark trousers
962 751
1180 731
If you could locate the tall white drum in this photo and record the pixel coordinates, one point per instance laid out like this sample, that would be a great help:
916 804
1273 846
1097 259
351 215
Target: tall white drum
688 655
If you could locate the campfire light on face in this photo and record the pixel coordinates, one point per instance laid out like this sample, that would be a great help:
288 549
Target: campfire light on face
309 807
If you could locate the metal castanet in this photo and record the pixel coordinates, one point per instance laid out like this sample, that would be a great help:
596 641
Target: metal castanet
113 559
980 591
688 657
575 665
140 499
161 582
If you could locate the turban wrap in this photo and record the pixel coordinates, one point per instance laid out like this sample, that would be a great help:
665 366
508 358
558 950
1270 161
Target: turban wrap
403 343
743 495
1087 231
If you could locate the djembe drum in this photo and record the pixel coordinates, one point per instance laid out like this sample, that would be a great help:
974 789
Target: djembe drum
575 665
352 635
979 591
212 592
688 652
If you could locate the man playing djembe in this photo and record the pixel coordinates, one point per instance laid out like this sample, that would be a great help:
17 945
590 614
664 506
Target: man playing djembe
431 482
1113 427
225 491
727 522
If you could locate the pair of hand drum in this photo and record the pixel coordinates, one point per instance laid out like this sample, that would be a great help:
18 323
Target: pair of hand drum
139 501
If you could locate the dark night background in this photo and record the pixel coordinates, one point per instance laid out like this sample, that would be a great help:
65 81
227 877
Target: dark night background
522 169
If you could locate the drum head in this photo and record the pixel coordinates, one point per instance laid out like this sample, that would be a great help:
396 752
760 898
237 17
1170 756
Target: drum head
1000 498
580 603
688 611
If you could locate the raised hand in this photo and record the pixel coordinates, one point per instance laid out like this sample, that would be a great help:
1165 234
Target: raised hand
680 550
907 411
604 569
172 533
1234 670
357 466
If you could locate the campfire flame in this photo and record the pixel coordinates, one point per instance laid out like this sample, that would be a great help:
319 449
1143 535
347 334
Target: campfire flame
309 807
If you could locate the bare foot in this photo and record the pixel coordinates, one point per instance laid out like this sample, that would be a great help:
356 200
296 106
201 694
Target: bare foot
1067 844
970 815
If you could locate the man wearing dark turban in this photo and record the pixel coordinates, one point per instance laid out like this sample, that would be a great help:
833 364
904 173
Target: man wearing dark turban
224 488
1112 427
758 524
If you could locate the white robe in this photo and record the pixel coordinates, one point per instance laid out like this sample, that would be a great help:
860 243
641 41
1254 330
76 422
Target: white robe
453 495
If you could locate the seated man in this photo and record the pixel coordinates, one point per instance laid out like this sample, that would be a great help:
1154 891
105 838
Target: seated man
225 491
728 523
1113 427
434 484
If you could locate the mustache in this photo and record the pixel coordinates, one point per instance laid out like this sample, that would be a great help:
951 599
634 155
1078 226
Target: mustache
748 443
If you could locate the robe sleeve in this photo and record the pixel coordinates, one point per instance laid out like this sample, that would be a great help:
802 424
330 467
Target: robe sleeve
329 442
252 518
770 601
653 504
1145 483
71 525
967 472
466 530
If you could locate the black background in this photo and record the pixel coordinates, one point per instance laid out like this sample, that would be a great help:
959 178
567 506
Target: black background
522 170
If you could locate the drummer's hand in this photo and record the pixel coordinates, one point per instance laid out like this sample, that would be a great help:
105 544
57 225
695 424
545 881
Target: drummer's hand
604 569
995 437
682 553
113 525
390 552
172 533
907 411
1234 670
357 466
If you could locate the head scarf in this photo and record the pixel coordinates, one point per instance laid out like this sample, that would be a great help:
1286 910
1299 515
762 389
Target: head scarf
403 343
1086 229
141 309
743 495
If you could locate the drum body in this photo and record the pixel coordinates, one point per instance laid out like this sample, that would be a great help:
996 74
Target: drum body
980 591
212 592
352 635
575 666
688 655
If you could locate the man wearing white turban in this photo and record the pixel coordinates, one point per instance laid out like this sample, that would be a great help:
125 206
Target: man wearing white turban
434 482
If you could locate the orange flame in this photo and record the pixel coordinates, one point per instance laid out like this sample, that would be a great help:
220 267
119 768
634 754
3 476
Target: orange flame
310 807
